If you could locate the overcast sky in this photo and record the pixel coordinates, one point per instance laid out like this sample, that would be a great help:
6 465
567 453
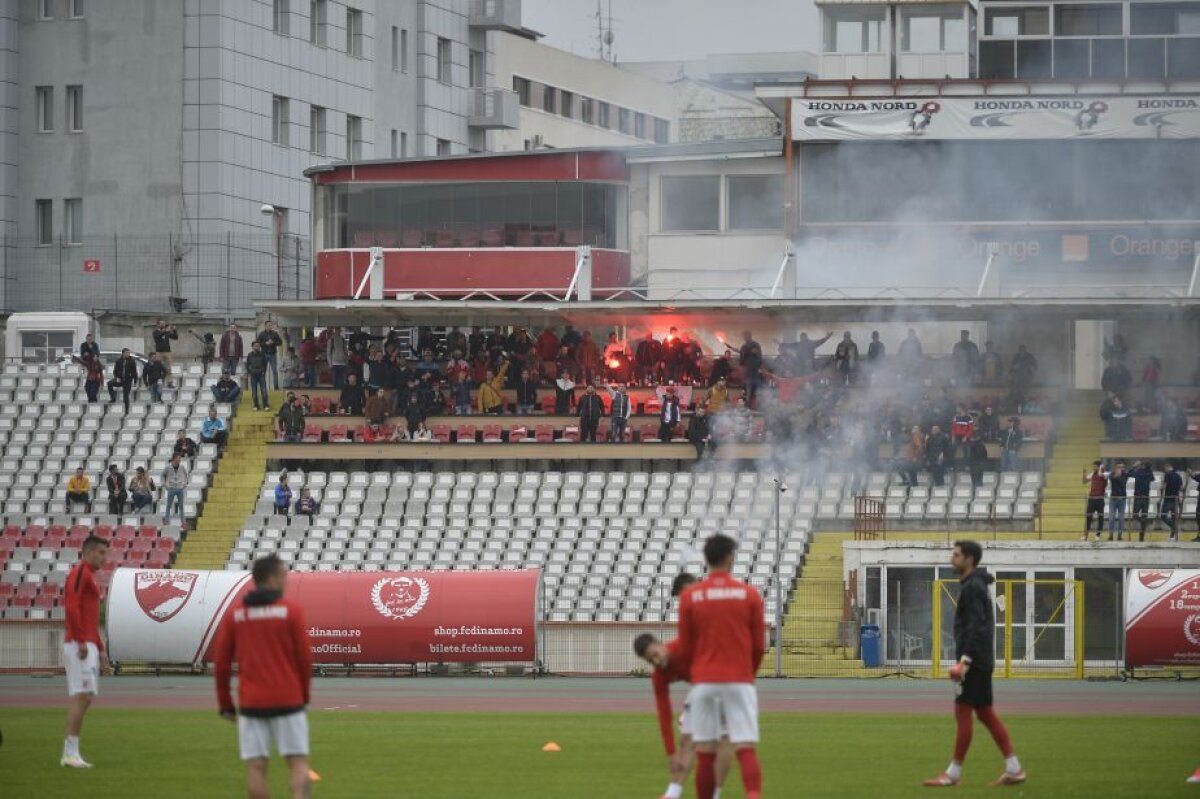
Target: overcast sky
669 30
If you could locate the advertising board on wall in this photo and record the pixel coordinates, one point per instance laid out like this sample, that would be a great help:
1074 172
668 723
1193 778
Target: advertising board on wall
172 616
992 117
1162 617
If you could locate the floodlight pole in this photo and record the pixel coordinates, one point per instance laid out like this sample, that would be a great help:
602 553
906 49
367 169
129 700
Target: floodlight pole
779 489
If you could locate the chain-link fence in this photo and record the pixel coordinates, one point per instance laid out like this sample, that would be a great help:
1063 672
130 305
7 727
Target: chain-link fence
220 274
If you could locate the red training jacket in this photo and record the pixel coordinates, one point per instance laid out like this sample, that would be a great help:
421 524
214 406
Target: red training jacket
83 606
266 635
721 629
678 670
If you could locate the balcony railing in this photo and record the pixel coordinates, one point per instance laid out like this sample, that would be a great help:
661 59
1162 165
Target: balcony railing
494 108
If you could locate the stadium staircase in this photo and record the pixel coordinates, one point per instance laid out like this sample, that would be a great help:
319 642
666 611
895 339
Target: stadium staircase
1077 446
234 491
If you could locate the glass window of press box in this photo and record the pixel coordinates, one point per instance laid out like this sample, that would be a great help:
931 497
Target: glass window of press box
509 214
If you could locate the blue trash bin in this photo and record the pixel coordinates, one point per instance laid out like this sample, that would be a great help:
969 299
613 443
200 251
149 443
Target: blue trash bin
872 656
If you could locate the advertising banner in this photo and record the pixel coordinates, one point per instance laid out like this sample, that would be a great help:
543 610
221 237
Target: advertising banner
172 616
1121 117
1162 617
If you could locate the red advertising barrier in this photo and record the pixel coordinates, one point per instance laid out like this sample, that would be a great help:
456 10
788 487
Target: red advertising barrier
1162 617
172 616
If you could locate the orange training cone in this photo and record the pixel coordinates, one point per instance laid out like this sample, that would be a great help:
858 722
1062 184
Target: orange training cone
552 747
313 776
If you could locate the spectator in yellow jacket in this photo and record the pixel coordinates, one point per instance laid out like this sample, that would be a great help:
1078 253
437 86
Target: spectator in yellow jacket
79 489
490 399
718 396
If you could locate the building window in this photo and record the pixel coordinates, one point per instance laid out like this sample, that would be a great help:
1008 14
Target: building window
318 16
662 131
549 99
639 125
403 144
476 68
625 120
394 143
933 29
566 104
523 89
854 30
587 110
395 49
603 117
75 108
1031 21
73 221
279 120
45 108
279 16
76 9
691 202
755 202
443 147
316 130
45 9
1164 19
353 138
354 32
443 60
1087 20
44 223
404 50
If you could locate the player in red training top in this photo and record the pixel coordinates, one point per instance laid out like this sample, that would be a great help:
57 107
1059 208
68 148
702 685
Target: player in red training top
266 635
670 666
83 651
722 635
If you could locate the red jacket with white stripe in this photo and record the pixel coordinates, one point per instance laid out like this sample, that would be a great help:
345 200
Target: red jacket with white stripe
82 599
266 636
722 630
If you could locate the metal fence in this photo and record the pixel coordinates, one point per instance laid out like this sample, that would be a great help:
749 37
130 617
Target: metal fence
221 274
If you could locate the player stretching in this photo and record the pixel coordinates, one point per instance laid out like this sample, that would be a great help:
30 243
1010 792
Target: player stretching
974 631
265 634
721 635
83 652
669 666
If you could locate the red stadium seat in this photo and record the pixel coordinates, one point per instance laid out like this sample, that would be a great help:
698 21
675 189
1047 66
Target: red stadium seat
603 429
525 238
21 602
570 434
7 590
79 531
165 544
468 237
339 433
445 238
493 236
516 435
30 542
29 590
544 433
118 544
44 602
126 532
148 531
466 434
387 238
312 433
34 531
158 559
652 406
441 432
11 531
648 432
493 434
104 531
413 238
141 545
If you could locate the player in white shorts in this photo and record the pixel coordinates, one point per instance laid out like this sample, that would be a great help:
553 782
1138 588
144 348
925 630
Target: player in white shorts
83 650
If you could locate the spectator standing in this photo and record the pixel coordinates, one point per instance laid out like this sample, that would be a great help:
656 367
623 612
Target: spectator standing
79 490
845 360
914 455
526 393
141 490
265 634
1116 379
938 451
256 370
587 355
911 355
231 349
213 429
988 424
174 482
184 446
306 505
570 338
1119 422
1151 377
875 352
490 398
290 369
699 433
722 369
718 396
566 363
1143 477
751 360
89 348
118 494
1118 480
1170 506
962 428
377 407
669 417
460 393
270 341
1196 479
414 414
965 357
622 408
163 334
308 361
564 393
1173 423
546 346
125 376
456 341
591 411
646 358
350 400
337 356
1010 444
613 349
283 495
289 423
1021 373
977 458
806 352
208 349
1096 483
94 377
991 365
226 389
154 375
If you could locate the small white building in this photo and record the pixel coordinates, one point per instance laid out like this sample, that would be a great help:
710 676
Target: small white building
914 39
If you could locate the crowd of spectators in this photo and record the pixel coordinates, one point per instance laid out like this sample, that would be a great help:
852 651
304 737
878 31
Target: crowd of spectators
1118 482
1123 401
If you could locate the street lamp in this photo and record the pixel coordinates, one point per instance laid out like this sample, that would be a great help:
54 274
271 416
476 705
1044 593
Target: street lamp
780 488
277 219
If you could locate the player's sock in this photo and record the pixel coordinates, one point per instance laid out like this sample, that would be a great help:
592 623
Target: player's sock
954 770
706 774
999 734
717 793
1012 765
71 746
962 732
674 791
751 772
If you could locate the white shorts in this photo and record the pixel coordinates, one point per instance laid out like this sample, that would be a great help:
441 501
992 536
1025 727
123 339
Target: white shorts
734 703
83 674
289 733
685 724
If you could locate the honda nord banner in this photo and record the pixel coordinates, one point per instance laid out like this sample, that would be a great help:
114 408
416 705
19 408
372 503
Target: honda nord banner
1124 117
172 616
1162 617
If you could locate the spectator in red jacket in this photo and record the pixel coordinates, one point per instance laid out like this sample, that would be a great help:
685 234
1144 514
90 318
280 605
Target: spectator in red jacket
231 349
83 651
308 361
265 634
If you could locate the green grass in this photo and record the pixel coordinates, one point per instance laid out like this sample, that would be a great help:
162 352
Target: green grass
155 753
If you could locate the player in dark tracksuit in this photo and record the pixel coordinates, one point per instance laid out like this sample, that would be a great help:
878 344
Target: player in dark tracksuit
1142 476
974 647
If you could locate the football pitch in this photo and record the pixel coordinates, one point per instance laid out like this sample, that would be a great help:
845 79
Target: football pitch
158 750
